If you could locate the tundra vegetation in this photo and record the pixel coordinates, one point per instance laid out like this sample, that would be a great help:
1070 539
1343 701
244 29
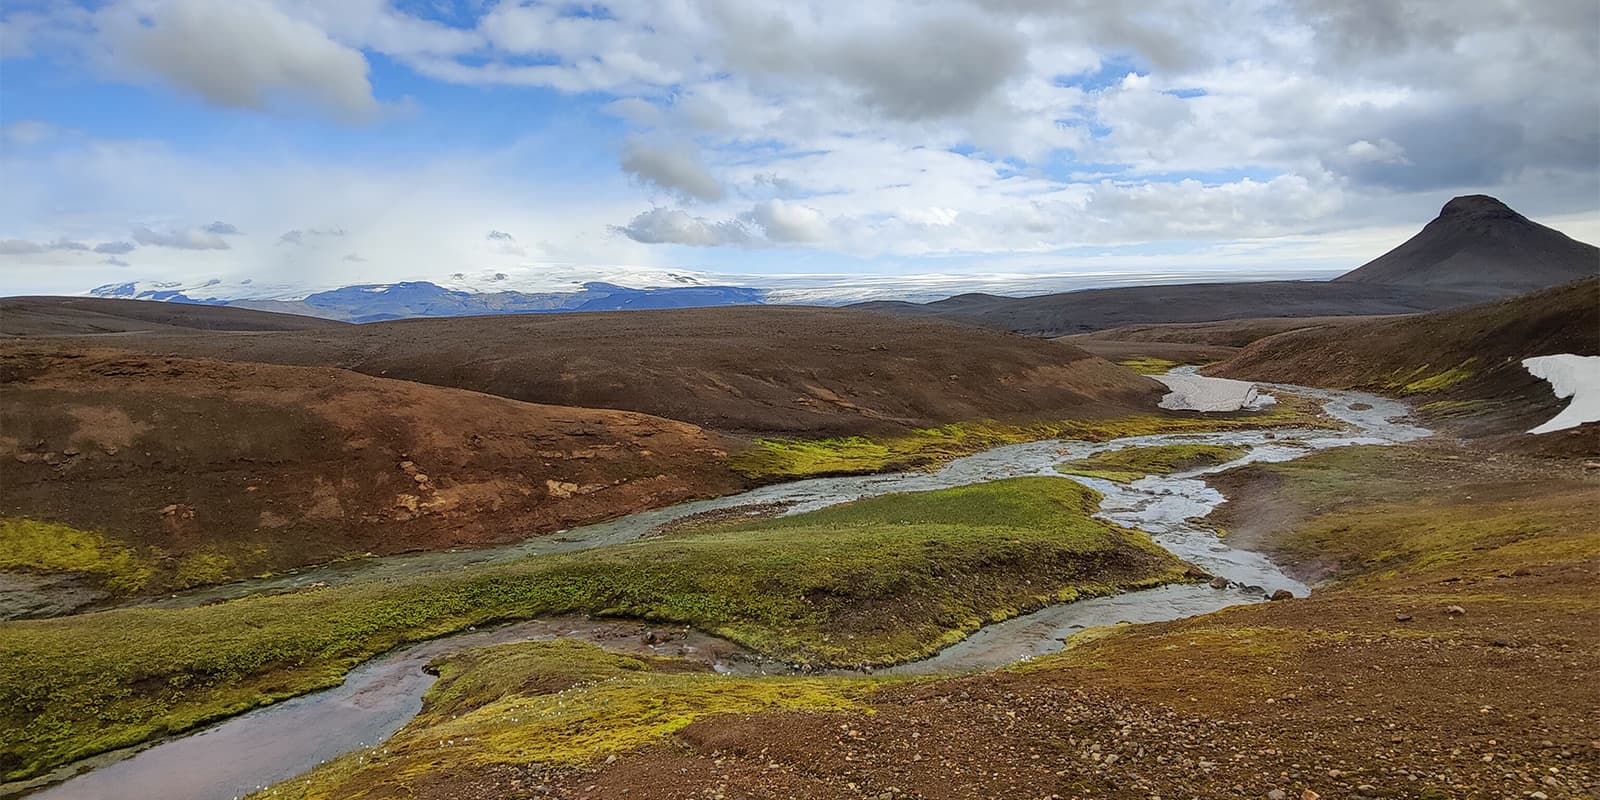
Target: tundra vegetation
874 582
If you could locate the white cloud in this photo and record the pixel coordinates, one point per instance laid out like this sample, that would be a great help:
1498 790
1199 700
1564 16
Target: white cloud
27 132
673 226
789 222
674 168
250 54
19 247
184 239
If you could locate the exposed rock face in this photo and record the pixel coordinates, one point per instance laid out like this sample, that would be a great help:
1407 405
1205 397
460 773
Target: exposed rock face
1479 244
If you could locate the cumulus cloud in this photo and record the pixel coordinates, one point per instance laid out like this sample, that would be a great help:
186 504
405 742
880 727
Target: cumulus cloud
115 262
674 226
240 54
789 222
114 248
932 68
222 229
500 236
676 169
187 239
353 258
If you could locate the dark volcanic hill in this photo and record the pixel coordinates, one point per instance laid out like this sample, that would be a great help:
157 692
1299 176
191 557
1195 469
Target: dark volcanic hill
1097 309
71 316
1476 250
1478 244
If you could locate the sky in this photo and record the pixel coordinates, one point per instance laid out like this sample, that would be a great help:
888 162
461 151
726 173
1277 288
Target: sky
891 144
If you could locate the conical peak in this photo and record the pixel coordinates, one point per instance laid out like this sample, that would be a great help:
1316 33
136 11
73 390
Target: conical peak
1476 205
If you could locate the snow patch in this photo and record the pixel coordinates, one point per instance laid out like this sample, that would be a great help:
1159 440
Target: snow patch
1577 377
1191 392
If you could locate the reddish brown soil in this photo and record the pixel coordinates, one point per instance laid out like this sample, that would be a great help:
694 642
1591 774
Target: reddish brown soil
761 369
283 466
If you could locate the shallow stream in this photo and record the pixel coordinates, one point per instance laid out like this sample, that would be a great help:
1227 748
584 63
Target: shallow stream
277 742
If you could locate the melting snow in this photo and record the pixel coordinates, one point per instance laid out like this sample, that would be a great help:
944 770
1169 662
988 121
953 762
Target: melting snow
1577 377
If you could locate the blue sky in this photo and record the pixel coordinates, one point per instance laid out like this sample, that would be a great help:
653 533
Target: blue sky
874 147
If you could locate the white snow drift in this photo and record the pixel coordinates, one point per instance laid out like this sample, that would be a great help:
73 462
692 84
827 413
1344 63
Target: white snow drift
1577 377
1191 392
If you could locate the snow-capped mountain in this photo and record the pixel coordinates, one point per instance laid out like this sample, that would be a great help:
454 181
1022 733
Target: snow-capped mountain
382 301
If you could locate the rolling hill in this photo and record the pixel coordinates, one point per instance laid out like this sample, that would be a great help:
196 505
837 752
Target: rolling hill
172 471
762 370
74 316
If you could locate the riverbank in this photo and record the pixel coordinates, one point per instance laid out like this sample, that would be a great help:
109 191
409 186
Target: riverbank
1434 666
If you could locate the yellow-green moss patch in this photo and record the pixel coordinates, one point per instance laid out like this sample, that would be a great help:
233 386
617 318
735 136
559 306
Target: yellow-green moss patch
1422 381
31 546
1149 365
773 459
1133 463
559 704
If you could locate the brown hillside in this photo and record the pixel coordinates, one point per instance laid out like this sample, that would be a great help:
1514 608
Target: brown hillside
72 316
274 467
1462 364
1220 333
762 369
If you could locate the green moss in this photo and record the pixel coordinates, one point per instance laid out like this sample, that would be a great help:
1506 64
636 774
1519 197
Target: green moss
1458 408
1133 463
772 459
1421 381
606 703
32 546
873 582
204 568
1149 365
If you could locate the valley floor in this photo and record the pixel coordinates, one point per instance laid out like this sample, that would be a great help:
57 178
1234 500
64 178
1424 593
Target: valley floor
1452 655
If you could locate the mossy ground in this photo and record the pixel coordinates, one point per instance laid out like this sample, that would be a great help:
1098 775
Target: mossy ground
1148 365
120 569
1425 380
784 459
1133 463
556 704
872 582
1327 693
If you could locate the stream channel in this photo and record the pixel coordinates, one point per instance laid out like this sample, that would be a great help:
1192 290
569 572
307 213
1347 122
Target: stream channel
271 744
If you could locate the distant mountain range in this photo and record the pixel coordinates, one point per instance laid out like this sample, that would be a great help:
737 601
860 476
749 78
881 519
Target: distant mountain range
384 301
